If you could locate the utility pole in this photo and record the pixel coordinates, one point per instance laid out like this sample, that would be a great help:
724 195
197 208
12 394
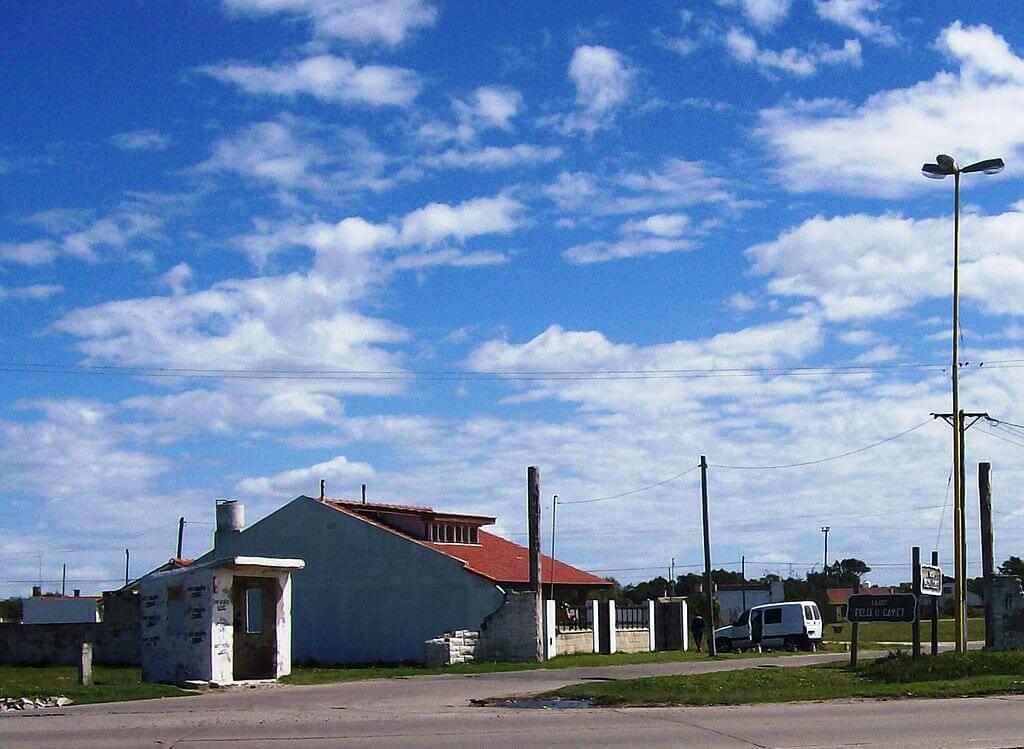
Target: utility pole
916 625
672 578
987 557
709 593
944 166
824 570
958 420
64 579
181 535
551 574
127 556
743 578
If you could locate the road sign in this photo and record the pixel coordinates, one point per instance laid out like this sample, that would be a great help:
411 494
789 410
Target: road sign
897 607
931 580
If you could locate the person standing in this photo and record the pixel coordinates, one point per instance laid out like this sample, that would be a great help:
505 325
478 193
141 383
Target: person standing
697 628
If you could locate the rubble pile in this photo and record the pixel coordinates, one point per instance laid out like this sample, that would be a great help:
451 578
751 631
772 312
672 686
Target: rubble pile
9 704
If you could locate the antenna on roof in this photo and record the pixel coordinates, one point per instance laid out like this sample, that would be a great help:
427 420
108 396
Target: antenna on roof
323 488
364 494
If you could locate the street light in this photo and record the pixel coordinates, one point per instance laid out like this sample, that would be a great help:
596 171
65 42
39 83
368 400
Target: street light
825 529
944 166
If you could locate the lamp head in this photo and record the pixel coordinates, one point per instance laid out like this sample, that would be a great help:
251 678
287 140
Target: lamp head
946 161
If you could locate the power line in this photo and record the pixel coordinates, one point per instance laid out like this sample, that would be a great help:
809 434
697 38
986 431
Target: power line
631 491
541 375
824 460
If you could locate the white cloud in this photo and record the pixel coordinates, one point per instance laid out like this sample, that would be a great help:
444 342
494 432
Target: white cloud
880 353
742 302
177 277
660 225
113 232
490 106
326 77
452 257
674 183
604 82
337 472
495 157
862 267
37 252
802 63
366 21
35 292
762 13
141 140
857 16
877 148
601 251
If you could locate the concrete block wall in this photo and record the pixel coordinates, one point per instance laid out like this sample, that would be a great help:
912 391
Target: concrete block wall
632 641
570 643
1007 613
510 633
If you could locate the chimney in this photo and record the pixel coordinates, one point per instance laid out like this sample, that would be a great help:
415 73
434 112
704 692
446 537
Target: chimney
364 494
36 591
77 592
230 524
323 489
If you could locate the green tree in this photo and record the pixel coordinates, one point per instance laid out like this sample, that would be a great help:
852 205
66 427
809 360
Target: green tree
10 608
1013 566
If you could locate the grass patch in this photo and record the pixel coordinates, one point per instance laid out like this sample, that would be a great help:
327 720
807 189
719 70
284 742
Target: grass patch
944 675
901 631
318 675
111 684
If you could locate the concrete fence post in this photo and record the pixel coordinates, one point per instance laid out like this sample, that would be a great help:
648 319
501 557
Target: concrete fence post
595 625
550 630
611 627
85 665
685 614
650 625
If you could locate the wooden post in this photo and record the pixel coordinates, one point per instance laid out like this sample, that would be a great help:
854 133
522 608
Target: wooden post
533 510
709 591
853 630
85 665
935 609
987 558
916 625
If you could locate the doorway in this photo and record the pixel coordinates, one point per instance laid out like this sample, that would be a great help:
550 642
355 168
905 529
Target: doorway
254 626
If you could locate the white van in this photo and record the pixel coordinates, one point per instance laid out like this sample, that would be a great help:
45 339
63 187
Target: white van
791 625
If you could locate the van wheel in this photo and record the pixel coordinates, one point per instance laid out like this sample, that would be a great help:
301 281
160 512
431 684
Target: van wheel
723 645
791 644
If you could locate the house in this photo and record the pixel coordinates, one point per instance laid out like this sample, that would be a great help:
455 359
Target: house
220 621
54 609
835 611
381 579
734 599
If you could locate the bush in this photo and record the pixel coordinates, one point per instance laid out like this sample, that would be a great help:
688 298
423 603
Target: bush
900 668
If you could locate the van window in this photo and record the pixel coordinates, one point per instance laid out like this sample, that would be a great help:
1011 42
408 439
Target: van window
773 616
808 613
817 614
742 620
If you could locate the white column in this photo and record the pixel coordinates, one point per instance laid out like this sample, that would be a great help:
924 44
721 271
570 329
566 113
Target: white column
549 630
650 624
594 629
611 627
686 624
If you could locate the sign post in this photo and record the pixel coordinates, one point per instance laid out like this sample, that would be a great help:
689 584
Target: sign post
928 582
893 607
915 553
935 603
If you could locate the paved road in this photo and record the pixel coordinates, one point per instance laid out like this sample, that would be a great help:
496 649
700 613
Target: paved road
435 712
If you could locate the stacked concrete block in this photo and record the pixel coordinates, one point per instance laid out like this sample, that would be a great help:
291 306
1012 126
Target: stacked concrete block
510 633
462 646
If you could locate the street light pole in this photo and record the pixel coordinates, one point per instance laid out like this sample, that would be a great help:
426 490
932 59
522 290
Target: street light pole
944 166
824 570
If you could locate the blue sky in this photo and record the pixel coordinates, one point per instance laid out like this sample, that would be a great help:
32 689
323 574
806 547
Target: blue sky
211 209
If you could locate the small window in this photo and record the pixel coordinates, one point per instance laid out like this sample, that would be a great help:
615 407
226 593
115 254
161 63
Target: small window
808 613
773 616
253 611
474 536
460 534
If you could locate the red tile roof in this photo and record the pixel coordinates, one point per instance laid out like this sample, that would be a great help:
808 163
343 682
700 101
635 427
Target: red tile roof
495 558
839 596
505 562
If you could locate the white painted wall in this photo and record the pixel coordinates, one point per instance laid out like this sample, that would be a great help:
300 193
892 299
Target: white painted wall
59 610
366 594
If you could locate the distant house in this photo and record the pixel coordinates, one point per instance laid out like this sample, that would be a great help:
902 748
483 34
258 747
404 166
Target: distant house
838 598
54 609
380 579
734 599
